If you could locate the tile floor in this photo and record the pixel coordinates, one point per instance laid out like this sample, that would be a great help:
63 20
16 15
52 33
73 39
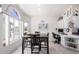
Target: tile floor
53 49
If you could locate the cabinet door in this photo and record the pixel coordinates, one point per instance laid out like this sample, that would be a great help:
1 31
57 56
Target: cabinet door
76 21
65 23
60 24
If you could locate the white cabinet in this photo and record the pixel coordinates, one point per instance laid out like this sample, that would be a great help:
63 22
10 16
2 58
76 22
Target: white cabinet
76 21
65 23
70 41
60 24
71 14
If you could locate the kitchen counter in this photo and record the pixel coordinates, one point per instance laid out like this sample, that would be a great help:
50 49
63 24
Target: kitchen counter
70 36
69 41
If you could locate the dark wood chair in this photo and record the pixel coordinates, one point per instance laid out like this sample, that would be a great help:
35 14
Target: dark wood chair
27 42
57 37
44 42
35 44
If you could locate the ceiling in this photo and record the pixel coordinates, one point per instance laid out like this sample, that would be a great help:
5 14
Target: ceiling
53 10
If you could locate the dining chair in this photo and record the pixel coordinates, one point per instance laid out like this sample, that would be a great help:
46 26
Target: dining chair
44 41
27 41
57 38
35 44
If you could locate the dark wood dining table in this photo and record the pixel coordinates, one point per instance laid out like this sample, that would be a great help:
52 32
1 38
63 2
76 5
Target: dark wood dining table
31 36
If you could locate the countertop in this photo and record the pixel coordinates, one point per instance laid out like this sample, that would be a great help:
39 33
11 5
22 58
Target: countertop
67 35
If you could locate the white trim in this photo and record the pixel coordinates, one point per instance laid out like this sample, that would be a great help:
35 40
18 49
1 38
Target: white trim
6 29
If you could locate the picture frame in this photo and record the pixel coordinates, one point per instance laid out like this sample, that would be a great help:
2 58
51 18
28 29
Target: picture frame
43 25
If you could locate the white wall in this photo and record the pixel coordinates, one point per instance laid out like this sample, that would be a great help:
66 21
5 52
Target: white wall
51 24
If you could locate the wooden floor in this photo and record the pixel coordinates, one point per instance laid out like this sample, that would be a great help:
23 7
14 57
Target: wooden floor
53 49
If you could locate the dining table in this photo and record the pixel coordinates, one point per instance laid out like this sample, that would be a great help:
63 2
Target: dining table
31 36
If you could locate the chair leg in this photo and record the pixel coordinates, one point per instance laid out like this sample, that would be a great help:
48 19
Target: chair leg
31 50
40 47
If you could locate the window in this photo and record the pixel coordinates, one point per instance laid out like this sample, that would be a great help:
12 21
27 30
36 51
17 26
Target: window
14 29
13 26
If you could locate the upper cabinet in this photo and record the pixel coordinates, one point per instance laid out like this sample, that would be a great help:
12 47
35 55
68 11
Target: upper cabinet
60 24
72 11
71 15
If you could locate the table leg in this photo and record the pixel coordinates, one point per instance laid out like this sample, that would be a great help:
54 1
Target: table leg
23 46
40 45
47 46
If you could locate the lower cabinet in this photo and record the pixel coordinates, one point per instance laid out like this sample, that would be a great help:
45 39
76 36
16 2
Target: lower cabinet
70 42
